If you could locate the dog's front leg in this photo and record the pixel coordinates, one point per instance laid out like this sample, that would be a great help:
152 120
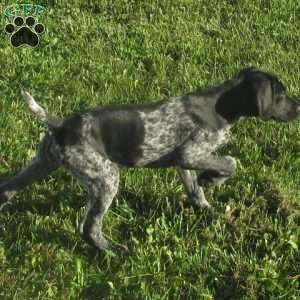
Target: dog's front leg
195 192
195 172
216 166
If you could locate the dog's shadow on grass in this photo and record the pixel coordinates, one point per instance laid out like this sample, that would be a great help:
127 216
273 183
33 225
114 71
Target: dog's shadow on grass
101 289
147 207
144 207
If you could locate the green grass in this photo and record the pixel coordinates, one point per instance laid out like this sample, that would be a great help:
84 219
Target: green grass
246 247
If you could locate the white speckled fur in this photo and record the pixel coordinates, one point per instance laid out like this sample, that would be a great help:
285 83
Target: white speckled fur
165 129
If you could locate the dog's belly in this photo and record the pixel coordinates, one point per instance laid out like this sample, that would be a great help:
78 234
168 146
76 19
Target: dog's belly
153 148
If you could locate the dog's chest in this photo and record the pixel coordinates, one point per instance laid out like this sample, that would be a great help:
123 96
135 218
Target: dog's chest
208 141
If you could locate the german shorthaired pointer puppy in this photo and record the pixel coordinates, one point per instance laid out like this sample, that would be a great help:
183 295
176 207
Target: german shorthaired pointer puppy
182 132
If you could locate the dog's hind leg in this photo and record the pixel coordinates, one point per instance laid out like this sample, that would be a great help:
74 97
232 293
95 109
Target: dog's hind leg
195 192
100 176
46 161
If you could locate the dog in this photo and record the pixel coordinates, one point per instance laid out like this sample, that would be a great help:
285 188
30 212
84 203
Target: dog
182 132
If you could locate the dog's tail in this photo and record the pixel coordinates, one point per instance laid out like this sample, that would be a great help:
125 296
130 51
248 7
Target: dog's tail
52 121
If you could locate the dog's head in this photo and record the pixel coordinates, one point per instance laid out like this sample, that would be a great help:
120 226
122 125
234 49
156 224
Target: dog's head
269 95
256 93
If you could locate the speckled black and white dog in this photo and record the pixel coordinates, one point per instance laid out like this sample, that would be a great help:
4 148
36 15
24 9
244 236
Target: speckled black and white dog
182 132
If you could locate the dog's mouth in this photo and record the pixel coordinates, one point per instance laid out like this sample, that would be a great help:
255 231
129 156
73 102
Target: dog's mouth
287 117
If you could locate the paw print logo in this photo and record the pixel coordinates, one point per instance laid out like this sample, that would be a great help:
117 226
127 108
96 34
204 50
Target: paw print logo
24 32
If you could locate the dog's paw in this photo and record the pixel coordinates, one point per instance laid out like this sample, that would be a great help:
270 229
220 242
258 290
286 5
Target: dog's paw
231 160
203 205
5 199
24 32
198 200
231 165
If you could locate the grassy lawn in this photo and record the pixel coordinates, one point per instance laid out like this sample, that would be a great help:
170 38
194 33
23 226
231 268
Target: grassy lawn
246 247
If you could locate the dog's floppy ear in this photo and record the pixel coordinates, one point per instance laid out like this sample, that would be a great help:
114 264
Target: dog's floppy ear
261 86
264 96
